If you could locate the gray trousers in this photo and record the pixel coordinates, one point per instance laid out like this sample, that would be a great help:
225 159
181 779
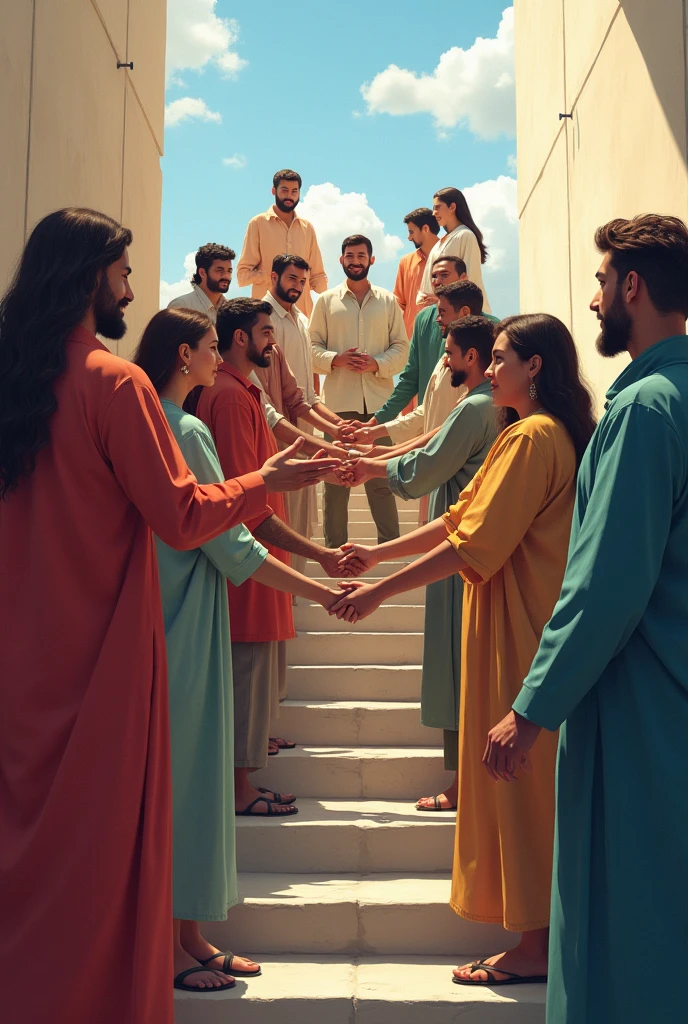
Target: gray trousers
380 499
260 681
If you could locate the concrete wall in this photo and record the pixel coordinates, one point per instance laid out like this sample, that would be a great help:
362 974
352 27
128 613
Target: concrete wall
621 70
77 131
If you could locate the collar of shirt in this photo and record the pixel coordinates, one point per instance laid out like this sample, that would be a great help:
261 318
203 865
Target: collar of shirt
233 372
344 290
272 214
202 297
294 314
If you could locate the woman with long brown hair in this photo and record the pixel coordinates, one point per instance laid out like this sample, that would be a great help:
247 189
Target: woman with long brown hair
508 536
462 238
178 351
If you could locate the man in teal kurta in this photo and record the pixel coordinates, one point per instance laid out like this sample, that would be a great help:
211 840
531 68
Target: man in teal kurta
442 469
613 662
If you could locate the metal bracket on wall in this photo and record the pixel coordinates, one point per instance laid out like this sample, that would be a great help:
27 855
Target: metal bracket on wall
565 115
130 65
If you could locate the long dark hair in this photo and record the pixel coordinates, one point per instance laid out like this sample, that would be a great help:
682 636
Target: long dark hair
49 296
158 351
560 387
463 214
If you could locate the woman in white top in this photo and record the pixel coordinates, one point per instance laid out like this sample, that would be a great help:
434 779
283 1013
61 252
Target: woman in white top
463 238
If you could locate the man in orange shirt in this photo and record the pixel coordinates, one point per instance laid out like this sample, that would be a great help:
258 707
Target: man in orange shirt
423 230
260 618
280 230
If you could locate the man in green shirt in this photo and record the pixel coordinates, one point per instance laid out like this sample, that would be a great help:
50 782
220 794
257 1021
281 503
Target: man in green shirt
612 666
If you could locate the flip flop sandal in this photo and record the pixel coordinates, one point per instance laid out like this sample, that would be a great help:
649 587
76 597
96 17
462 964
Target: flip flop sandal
284 744
277 798
273 753
250 813
227 966
437 806
511 979
179 981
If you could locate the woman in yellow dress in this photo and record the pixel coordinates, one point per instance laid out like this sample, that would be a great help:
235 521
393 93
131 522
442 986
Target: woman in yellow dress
508 537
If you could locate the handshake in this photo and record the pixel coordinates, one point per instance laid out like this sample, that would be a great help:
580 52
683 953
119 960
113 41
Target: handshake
355 599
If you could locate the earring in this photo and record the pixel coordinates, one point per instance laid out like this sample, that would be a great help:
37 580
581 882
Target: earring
184 368
532 390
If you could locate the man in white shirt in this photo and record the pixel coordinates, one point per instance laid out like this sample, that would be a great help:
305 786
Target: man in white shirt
359 342
210 282
289 278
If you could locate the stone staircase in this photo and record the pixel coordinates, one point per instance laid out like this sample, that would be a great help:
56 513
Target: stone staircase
346 903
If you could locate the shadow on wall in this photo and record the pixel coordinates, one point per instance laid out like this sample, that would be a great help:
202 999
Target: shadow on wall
655 37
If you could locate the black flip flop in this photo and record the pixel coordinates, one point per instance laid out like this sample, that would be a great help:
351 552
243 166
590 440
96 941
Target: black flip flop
278 798
248 812
511 979
179 980
227 966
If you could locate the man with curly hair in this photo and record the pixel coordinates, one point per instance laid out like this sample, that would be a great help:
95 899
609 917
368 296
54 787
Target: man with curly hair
210 282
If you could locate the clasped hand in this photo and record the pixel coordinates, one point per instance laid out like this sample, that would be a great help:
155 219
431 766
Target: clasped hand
508 745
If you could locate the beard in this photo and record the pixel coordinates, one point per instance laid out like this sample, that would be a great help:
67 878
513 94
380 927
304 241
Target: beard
417 244
261 359
109 314
221 286
616 330
458 378
357 275
291 295
286 206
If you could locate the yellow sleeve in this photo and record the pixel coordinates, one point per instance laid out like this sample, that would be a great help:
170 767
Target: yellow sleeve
496 510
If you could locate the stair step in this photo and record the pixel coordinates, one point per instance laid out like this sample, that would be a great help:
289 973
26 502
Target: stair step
354 682
366 528
349 836
304 989
410 597
359 648
356 723
356 773
402 618
361 915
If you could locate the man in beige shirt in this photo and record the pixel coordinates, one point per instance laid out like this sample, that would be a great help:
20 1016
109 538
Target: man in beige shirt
281 230
359 342
210 282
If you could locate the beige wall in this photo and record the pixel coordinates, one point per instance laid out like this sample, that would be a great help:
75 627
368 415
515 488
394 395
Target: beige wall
77 131
620 69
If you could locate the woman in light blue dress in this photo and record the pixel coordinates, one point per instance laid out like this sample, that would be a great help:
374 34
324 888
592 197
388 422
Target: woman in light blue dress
178 351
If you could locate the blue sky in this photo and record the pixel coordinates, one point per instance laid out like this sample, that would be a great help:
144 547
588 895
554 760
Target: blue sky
268 86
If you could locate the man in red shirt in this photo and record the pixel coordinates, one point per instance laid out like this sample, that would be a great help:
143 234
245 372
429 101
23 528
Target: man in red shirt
260 618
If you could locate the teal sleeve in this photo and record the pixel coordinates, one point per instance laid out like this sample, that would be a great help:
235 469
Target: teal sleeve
234 553
614 561
419 472
406 387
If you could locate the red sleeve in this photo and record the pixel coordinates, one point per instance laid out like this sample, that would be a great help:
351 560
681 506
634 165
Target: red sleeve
233 428
150 468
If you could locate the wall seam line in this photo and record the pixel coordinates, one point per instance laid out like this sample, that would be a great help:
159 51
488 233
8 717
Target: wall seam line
28 132
111 41
573 106
685 69
566 157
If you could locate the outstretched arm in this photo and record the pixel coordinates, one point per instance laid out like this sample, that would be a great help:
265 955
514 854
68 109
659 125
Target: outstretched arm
273 573
361 558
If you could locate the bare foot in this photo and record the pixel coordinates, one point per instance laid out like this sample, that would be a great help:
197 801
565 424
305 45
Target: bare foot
278 798
201 979
428 803
515 961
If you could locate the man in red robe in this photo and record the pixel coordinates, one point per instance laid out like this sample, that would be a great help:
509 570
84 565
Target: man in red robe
88 470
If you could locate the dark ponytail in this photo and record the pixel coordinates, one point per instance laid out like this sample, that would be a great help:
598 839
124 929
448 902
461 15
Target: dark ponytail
463 214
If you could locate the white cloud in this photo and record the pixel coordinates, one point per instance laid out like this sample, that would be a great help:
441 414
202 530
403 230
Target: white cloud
196 36
189 109
474 87
336 214
171 291
512 163
493 206
237 161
